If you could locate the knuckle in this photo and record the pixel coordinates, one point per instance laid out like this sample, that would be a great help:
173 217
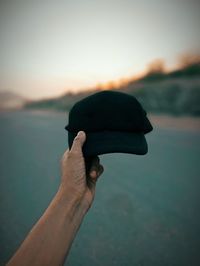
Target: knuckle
73 153
66 153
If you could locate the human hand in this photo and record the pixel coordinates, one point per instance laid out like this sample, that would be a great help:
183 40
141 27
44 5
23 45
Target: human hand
75 182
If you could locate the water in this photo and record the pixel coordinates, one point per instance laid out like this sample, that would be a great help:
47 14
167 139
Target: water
146 210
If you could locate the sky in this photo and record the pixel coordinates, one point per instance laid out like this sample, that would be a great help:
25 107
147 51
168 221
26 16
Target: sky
49 47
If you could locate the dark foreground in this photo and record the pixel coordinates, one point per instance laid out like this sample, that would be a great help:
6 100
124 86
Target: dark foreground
146 210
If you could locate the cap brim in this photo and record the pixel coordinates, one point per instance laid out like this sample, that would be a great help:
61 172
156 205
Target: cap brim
103 142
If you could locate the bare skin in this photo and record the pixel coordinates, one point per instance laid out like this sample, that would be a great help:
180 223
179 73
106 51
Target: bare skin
49 241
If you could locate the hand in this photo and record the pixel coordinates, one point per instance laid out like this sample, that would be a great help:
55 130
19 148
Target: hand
75 182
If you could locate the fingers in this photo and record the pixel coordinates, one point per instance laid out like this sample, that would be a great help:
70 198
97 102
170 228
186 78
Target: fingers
95 174
101 169
96 168
78 142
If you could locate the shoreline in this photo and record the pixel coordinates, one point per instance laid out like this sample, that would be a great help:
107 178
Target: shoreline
181 122
187 123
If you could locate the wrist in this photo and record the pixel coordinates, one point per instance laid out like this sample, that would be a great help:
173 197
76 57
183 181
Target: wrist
71 199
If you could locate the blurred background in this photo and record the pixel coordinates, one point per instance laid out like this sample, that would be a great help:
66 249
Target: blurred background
54 53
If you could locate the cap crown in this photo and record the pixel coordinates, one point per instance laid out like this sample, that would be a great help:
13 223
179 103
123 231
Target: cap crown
108 110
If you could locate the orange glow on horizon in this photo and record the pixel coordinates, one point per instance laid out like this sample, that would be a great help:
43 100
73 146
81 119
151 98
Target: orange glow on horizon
111 84
58 85
158 64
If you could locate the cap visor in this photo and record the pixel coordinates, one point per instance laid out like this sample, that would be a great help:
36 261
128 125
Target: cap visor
103 142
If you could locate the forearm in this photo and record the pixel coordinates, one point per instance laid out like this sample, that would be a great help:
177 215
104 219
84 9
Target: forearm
50 239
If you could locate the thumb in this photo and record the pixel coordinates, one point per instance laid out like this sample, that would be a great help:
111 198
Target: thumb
78 142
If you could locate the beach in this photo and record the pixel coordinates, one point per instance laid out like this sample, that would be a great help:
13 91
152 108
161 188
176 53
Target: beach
146 210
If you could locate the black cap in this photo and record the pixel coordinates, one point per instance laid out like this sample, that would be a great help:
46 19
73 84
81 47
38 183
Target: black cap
113 122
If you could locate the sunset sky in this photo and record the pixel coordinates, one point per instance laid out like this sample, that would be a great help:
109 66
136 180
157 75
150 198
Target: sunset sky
49 47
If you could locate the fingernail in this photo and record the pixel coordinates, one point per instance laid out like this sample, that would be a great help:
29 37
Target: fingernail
80 133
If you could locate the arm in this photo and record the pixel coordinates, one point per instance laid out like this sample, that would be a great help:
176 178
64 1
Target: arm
49 241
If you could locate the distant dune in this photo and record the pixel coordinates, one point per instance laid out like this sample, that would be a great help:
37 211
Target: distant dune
177 93
11 100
